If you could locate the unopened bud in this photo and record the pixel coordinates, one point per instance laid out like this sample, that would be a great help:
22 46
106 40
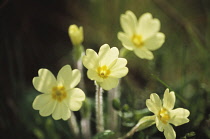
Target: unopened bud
76 34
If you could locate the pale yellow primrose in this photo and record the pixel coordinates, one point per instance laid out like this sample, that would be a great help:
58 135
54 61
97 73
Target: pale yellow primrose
165 114
105 67
76 34
60 96
141 36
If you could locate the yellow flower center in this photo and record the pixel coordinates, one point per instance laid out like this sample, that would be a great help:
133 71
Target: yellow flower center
103 71
164 115
59 93
137 40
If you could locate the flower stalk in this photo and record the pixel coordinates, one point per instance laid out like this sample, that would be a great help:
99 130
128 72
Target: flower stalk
143 123
131 132
77 37
78 52
99 109
113 119
85 120
85 128
74 126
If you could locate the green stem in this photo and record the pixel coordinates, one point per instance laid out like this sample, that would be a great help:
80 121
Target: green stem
99 109
73 125
113 119
85 128
131 132
78 52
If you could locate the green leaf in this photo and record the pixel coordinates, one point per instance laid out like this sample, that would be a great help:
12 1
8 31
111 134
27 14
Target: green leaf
116 104
125 108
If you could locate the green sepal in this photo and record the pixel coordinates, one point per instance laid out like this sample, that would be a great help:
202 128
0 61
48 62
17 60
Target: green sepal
145 122
77 52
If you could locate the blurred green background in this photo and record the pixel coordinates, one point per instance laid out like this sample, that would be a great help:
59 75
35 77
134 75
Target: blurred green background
34 35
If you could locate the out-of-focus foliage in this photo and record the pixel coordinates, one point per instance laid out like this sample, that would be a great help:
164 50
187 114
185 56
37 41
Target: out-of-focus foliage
34 35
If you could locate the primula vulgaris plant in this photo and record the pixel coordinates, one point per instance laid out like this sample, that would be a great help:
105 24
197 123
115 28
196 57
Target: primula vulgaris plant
105 67
59 96
141 36
165 114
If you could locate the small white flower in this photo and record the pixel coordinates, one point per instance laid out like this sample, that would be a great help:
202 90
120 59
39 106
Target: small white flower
165 114
76 35
105 67
141 36
59 96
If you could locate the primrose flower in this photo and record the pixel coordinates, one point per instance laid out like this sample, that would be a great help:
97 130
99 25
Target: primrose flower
105 67
76 35
58 96
141 36
165 114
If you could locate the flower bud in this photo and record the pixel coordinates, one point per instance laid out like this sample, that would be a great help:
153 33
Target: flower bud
76 34
116 104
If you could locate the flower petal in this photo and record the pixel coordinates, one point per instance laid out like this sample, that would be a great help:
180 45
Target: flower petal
64 75
128 22
66 113
126 41
74 101
169 100
148 26
45 81
154 42
154 104
169 132
68 77
119 70
90 60
109 83
76 105
107 55
75 78
48 109
61 111
41 100
57 114
179 116
93 75
143 53
77 94
159 124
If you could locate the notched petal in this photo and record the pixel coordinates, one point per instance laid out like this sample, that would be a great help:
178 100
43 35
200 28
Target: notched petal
90 60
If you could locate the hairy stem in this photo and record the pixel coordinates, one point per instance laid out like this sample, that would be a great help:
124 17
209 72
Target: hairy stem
99 109
112 118
85 123
85 128
73 125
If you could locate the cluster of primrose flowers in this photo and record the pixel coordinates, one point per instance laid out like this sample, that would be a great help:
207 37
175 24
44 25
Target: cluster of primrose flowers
60 96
